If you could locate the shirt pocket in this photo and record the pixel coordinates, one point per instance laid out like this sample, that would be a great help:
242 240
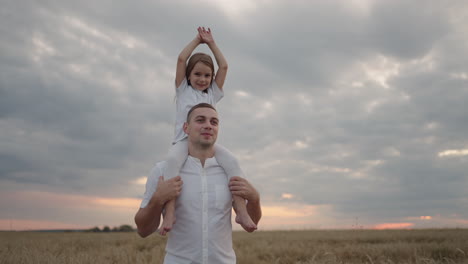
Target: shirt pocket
223 197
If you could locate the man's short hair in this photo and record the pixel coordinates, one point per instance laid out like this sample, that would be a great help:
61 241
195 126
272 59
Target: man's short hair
200 105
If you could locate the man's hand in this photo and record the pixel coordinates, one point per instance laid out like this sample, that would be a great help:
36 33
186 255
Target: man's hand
241 187
168 190
147 219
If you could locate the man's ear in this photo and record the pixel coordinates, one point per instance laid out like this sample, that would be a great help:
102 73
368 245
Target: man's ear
185 127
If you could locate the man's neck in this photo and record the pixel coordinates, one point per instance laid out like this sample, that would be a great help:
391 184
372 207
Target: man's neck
201 153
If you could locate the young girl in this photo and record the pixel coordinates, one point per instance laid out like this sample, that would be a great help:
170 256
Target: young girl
196 83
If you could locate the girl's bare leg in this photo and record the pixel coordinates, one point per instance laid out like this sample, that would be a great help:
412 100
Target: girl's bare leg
169 218
243 217
177 155
232 168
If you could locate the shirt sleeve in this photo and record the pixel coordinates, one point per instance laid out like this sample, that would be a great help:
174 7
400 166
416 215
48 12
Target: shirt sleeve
151 183
218 94
182 87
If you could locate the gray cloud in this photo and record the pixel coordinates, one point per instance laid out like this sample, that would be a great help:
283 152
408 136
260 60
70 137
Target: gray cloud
337 104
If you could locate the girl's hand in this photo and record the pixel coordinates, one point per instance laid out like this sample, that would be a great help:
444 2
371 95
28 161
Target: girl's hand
205 35
199 38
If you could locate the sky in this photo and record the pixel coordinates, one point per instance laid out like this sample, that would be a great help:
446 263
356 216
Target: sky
343 114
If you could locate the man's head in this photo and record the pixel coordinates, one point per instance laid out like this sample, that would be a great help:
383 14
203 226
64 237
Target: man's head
202 125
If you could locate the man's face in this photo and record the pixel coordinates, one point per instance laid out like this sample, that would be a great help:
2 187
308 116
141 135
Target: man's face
202 128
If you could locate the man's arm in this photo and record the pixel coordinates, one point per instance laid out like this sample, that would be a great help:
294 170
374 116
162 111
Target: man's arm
241 187
148 219
255 210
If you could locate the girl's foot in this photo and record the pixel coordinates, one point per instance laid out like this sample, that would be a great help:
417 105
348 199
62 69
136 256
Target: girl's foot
246 222
166 225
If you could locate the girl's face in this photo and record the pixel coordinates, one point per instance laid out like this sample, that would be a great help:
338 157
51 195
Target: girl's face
201 76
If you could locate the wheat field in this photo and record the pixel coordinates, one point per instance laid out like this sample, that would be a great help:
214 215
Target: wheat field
262 247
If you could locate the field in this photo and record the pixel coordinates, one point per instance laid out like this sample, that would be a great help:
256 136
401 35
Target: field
263 247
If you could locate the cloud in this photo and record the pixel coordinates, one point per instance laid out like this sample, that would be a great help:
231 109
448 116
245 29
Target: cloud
453 152
355 105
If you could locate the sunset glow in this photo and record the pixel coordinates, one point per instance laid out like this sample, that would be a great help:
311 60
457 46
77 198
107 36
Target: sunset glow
140 181
19 224
289 214
56 199
283 211
118 202
394 226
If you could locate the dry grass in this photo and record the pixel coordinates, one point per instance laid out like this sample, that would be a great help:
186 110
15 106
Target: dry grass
354 246
299 247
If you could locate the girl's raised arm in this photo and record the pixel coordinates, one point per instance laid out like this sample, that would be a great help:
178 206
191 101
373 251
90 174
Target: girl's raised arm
183 57
207 37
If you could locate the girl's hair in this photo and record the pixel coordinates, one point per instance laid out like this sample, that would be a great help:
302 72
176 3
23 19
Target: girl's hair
199 57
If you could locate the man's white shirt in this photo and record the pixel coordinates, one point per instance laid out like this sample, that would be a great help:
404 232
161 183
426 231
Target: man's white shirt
203 230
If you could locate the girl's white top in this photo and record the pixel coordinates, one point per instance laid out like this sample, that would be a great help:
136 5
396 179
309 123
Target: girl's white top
186 98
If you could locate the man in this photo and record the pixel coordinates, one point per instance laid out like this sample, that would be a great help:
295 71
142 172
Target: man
203 230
